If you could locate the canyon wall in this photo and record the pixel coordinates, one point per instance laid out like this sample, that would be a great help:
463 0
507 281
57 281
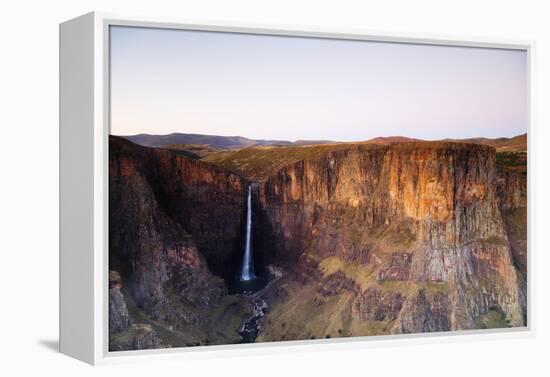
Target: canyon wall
161 205
416 227
365 240
206 201
512 193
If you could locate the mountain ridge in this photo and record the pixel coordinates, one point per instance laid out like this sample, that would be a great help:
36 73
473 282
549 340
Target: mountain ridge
516 143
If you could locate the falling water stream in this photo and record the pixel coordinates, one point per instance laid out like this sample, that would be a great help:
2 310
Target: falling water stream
247 271
249 283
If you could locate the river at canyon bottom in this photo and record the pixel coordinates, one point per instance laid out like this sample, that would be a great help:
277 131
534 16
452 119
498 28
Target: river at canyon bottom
251 328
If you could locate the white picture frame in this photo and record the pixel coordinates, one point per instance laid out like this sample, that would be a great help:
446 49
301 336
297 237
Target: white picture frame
84 129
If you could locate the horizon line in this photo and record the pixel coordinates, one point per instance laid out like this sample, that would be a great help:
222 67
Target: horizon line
325 140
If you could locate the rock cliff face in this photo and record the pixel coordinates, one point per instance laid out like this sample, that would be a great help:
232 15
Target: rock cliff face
512 193
418 227
124 333
512 188
358 240
160 203
205 201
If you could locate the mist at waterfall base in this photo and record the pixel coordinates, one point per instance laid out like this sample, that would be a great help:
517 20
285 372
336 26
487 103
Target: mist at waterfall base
247 280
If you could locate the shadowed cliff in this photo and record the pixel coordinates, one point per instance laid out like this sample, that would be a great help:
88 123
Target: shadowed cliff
172 221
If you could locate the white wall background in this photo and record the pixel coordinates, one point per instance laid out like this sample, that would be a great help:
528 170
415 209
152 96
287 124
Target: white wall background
29 185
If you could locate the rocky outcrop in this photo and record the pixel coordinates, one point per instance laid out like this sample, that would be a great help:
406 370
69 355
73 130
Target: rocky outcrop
511 188
377 305
124 334
135 337
425 312
119 319
512 195
161 205
398 268
424 214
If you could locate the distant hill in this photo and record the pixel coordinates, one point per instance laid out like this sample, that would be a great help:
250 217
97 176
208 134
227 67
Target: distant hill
213 141
391 139
204 145
312 142
200 150
501 144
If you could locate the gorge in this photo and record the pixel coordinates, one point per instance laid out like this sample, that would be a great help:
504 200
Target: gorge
346 239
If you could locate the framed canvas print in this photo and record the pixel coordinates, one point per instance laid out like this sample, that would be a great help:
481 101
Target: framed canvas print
237 188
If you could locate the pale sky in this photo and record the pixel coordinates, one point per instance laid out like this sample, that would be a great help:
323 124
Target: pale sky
274 87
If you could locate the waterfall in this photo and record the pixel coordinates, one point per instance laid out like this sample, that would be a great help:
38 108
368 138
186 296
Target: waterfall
247 272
